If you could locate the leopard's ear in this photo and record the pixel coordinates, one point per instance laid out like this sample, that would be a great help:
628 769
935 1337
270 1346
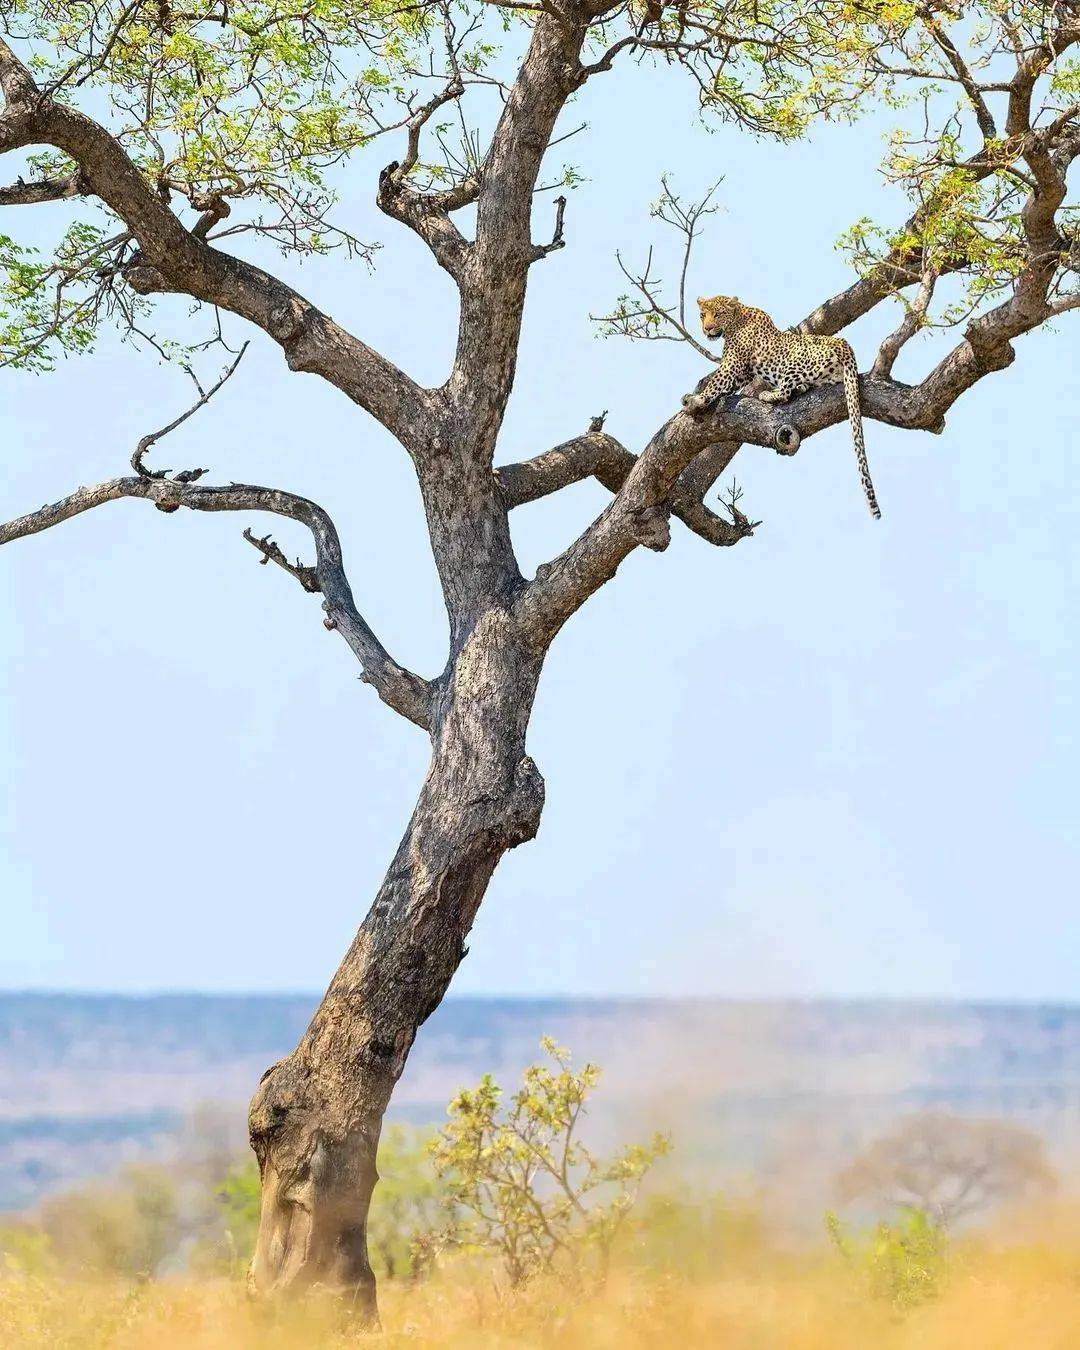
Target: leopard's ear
702 301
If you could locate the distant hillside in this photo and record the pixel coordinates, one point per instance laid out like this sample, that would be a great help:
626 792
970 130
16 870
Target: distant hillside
89 1082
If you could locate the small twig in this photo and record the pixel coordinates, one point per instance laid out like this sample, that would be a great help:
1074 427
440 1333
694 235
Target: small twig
557 240
687 220
739 519
623 321
186 475
306 576
597 423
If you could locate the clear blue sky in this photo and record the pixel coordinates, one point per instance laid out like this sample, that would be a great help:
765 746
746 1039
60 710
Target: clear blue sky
839 759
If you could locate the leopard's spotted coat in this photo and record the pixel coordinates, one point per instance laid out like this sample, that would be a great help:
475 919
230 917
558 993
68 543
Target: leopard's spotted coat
778 365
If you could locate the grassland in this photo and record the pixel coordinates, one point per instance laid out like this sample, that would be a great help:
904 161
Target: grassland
1016 1295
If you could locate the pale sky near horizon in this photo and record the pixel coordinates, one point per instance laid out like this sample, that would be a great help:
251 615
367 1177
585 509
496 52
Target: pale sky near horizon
838 759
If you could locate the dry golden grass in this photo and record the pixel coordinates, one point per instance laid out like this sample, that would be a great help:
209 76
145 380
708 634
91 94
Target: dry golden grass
1023 1297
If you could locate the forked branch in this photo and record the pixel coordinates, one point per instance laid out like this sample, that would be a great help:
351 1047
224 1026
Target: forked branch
599 455
403 691
205 395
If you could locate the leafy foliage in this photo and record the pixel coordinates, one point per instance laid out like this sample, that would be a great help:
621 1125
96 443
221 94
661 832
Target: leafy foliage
243 111
521 1182
231 1226
902 1263
256 98
690 1232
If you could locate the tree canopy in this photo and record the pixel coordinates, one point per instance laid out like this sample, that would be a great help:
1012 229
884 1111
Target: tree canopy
237 117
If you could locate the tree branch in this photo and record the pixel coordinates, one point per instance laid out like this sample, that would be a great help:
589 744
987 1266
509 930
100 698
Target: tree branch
427 214
914 317
399 688
938 32
600 456
22 193
493 290
563 585
557 240
205 395
172 258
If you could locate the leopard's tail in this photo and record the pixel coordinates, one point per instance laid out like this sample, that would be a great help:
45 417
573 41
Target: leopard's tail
854 410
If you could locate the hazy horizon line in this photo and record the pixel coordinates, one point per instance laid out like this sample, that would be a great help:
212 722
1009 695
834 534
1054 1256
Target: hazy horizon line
226 995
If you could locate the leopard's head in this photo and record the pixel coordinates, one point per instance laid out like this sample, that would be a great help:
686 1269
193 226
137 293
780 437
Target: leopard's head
720 314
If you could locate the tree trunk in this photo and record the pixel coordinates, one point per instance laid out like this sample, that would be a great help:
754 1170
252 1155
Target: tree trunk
316 1117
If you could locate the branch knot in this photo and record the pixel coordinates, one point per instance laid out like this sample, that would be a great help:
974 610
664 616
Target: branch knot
308 577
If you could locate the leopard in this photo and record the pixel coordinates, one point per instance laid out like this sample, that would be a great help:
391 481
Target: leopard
775 365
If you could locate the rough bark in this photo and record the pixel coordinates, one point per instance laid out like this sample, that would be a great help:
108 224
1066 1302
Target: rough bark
316 1118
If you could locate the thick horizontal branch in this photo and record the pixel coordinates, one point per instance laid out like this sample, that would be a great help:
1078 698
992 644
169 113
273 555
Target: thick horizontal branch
600 456
22 193
403 691
562 586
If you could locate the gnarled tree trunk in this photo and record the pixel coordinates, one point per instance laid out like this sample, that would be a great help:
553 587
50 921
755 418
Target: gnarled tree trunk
316 1117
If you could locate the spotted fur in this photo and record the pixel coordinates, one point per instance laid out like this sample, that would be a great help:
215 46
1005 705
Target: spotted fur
776 365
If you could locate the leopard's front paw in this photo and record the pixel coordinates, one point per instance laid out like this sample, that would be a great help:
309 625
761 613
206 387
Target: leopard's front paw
694 403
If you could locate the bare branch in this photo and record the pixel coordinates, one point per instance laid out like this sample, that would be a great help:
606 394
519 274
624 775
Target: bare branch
983 115
557 240
647 319
16 82
399 688
428 213
189 475
914 317
600 456
271 552
1064 306
22 193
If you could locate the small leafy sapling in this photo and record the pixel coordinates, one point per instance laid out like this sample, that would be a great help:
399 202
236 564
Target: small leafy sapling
522 1185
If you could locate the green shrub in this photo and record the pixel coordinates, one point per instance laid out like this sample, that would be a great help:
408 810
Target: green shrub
902 1263
25 1250
696 1235
522 1184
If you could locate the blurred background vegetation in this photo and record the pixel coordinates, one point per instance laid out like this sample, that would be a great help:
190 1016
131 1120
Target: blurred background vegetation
511 1204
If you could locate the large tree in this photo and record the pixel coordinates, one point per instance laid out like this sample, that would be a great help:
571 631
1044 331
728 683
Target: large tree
182 134
948 1167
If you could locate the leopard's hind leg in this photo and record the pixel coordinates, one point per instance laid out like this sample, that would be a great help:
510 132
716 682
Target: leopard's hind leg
782 390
